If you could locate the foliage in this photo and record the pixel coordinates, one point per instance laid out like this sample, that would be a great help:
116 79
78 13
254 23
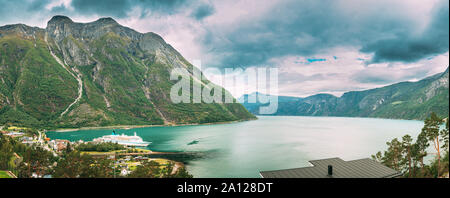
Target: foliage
36 160
123 84
32 81
99 147
405 100
408 157
6 152
152 169
12 116
9 146
77 165
4 174
73 164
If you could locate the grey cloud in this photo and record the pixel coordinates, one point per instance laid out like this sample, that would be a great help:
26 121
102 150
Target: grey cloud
166 5
37 5
371 78
120 8
380 76
203 11
291 27
407 48
23 9
288 77
20 8
116 8
310 27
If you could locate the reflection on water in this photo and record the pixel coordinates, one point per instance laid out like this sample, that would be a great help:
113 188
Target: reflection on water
270 143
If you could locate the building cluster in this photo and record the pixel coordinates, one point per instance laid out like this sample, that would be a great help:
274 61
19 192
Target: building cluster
127 164
19 133
12 134
58 145
13 131
125 161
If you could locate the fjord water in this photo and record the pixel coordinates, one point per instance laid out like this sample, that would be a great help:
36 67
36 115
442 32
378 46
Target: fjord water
269 143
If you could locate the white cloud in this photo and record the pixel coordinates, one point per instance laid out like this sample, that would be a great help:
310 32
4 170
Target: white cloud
347 72
57 3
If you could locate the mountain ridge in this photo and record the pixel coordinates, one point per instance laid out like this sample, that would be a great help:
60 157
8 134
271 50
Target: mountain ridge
404 100
100 73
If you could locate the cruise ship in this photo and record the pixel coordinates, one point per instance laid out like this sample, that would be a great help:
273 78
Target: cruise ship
124 140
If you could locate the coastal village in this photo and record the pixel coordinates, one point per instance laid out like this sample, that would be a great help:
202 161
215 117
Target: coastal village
125 158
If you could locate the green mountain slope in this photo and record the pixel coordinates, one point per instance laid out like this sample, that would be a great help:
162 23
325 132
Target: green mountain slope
406 100
94 74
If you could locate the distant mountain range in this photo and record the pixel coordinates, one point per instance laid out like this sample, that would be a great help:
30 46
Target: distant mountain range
405 100
95 74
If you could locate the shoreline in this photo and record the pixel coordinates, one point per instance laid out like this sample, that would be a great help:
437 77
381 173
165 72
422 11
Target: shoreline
310 116
128 127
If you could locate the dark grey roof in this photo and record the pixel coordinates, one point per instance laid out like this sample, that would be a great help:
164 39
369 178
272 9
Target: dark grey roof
362 168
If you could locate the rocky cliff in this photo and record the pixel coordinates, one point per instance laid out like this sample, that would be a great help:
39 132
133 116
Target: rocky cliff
94 74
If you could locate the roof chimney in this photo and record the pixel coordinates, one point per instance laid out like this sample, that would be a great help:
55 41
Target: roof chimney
330 170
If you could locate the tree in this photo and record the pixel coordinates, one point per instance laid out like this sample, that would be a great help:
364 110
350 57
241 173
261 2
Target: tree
152 169
406 145
77 165
445 136
69 166
100 147
35 160
182 173
378 157
393 156
415 159
148 169
400 154
68 148
98 168
167 171
432 132
420 148
6 151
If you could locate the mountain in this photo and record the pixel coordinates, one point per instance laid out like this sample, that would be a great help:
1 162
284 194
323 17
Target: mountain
405 100
95 74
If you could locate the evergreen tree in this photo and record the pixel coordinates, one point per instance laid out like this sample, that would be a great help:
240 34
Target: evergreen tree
182 173
420 148
406 156
445 136
146 170
6 151
393 156
406 149
77 165
432 132
35 160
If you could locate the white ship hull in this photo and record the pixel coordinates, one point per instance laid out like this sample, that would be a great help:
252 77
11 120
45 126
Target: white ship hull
130 141
136 144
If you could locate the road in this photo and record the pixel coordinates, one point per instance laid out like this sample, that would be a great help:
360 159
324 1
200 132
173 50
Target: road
41 141
77 77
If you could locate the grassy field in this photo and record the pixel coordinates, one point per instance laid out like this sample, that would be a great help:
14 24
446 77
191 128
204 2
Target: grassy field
101 153
143 150
138 150
4 174
162 162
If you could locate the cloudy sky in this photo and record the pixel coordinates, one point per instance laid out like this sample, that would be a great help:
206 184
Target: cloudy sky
326 46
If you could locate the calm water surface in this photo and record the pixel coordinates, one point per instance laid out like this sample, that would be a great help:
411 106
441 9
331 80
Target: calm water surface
270 143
